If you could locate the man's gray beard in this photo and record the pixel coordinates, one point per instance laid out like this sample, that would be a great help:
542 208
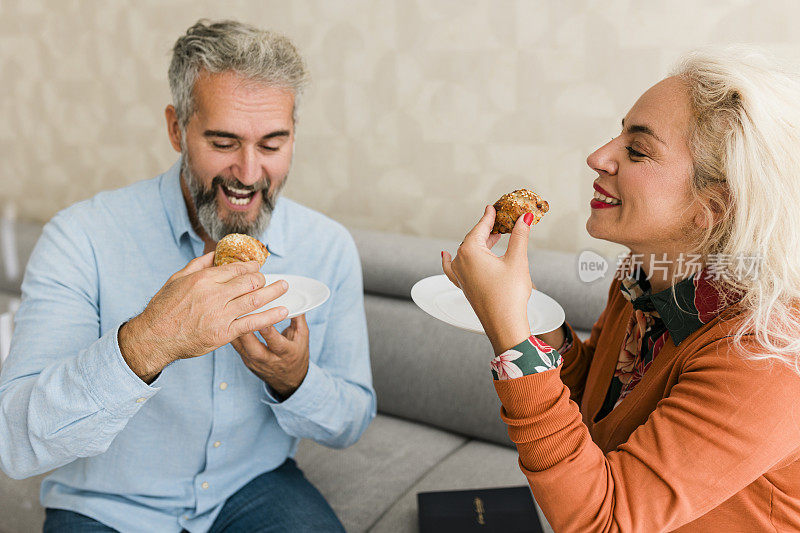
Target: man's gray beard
205 202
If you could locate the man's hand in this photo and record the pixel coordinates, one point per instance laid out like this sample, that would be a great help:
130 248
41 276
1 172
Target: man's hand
283 362
196 312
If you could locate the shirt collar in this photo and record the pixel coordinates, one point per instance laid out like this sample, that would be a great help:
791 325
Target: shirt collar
275 234
178 215
174 204
699 300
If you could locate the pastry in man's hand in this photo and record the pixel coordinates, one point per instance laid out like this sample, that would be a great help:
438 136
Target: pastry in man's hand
513 205
239 247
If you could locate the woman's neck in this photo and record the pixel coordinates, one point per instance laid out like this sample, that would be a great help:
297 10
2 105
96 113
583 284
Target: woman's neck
663 269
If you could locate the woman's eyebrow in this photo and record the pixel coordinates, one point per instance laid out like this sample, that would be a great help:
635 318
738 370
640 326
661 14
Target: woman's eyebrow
641 128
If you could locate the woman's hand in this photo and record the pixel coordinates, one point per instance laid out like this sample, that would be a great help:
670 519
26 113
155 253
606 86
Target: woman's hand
497 288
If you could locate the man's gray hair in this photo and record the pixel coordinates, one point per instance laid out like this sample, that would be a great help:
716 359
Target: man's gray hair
254 54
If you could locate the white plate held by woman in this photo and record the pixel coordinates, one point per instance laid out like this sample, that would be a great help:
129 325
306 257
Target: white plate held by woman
438 297
304 294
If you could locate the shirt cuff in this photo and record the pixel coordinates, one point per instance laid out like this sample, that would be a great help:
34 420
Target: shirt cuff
110 380
531 356
315 390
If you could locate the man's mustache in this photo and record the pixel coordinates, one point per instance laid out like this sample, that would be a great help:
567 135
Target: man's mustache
219 180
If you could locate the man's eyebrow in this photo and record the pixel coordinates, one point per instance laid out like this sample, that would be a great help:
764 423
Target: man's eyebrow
229 135
219 133
641 128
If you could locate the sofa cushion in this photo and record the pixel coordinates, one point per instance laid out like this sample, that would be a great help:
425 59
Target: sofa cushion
20 510
17 239
8 306
393 263
363 481
474 465
429 371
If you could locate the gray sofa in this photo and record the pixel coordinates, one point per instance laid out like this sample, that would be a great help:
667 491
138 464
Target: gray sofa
438 426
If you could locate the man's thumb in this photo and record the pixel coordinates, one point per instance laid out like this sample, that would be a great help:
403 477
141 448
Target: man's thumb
195 265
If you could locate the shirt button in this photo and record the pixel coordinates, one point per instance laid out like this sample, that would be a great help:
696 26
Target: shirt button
141 400
217 444
205 484
223 385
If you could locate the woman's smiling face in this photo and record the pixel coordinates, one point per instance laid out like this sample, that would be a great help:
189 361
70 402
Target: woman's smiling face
647 169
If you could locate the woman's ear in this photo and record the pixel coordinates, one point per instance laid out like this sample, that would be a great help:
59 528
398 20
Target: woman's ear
703 218
173 127
713 208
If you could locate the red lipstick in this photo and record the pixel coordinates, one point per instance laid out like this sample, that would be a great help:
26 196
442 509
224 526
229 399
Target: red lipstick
597 204
603 191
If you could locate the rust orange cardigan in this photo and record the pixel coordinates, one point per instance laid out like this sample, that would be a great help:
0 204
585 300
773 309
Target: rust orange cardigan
707 441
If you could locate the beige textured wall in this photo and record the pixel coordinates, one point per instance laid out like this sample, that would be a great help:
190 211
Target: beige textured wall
420 113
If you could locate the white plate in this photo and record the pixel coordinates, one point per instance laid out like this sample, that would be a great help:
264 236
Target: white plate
304 294
438 297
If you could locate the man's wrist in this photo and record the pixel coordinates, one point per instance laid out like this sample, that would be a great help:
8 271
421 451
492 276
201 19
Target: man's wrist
282 394
283 391
138 353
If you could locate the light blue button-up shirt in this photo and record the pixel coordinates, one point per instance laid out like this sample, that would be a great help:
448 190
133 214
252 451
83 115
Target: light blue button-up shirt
166 456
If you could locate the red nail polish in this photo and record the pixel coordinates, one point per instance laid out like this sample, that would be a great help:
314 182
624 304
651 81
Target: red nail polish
442 254
528 218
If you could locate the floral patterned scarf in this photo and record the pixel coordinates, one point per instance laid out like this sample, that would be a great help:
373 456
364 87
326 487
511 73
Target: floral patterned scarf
656 318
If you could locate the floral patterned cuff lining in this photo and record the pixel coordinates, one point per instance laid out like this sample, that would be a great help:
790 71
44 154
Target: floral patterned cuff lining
531 356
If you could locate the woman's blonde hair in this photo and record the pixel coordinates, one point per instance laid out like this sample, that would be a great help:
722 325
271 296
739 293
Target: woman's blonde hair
745 143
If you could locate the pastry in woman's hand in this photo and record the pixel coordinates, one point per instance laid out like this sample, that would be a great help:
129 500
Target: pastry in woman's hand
239 247
513 205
